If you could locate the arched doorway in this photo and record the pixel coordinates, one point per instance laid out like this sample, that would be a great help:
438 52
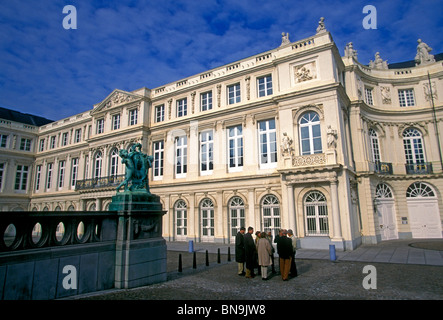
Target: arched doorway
423 211
384 203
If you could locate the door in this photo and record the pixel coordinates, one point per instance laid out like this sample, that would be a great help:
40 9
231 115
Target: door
424 218
386 219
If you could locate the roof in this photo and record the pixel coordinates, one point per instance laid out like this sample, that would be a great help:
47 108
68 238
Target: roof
12 115
411 63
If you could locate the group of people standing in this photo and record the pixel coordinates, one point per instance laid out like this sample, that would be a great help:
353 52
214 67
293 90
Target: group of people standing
259 253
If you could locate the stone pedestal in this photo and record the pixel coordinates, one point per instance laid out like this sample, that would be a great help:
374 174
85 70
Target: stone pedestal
140 248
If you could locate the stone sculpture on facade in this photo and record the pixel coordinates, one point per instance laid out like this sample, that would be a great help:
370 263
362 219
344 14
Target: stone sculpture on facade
286 146
332 138
350 52
321 26
137 166
284 39
423 56
378 62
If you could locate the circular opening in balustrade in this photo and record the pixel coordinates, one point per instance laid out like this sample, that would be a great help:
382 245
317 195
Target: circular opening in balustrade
36 234
9 235
60 231
80 230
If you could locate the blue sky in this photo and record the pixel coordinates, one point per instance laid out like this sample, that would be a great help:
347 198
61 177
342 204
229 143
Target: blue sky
127 44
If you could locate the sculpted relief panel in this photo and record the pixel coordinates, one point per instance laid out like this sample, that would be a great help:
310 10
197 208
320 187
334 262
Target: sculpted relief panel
305 72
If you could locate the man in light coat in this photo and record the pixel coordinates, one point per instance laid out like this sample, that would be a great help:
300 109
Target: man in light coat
264 250
293 270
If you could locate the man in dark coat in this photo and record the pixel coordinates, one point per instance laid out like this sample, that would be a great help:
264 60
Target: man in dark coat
284 249
250 253
240 251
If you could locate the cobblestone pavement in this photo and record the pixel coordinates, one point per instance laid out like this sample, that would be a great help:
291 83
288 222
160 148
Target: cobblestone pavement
317 279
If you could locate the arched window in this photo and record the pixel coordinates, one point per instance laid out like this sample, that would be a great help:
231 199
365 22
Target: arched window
271 214
375 150
98 165
181 220
310 134
382 191
236 214
207 219
316 214
413 144
419 190
113 167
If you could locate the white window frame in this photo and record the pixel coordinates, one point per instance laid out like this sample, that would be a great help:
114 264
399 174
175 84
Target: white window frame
406 97
160 113
312 125
316 214
113 163
74 174
413 146
271 214
181 220
38 174
267 144
181 150
237 215
157 165
206 152
207 220
264 86
235 152
206 101
64 139
116 121
49 169
61 173
133 117
234 93
369 96
98 162
3 141
182 107
21 178
52 141
25 144
375 145
100 126
78 135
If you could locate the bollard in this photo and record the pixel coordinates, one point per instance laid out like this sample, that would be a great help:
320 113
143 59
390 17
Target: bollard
229 253
180 269
191 246
218 256
332 255
194 264
207 258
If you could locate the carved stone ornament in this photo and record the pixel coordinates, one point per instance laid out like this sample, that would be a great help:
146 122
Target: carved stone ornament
350 52
385 94
378 62
321 26
305 72
428 92
308 160
423 56
286 145
119 98
284 39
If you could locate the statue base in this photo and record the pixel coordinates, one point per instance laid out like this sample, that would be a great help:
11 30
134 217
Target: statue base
140 248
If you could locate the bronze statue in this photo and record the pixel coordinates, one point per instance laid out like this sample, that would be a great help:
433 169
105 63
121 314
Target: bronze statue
137 166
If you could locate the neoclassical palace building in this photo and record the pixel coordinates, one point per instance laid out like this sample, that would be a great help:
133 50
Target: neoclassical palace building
298 137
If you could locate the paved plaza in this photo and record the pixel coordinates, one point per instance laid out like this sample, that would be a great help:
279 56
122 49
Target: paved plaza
405 269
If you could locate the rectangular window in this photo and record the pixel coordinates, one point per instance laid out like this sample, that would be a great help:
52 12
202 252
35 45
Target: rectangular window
206 152
368 96
61 174
52 145
65 139
116 122
406 97
268 144
3 140
235 145
160 113
133 117
21 178
2 169
264 85
48 176
234 93
100 126
157 168
38 174
206 101
181 150
42 145
78 135
25 144
74 174
182 107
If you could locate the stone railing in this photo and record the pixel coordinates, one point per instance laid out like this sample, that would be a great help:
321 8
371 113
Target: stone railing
309 160
31 230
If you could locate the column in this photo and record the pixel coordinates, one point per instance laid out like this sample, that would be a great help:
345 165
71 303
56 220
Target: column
335 211
291 208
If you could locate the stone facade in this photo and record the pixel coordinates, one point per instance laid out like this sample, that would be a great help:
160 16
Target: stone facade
298 137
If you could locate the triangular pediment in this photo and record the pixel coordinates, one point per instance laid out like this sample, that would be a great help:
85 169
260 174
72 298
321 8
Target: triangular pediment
115 98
